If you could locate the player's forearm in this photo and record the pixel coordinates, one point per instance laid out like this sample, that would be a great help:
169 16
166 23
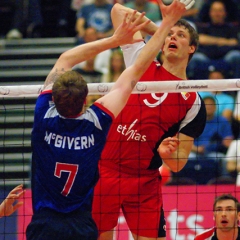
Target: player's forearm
153 46
176 162
176 157
205 39
86 51
76 55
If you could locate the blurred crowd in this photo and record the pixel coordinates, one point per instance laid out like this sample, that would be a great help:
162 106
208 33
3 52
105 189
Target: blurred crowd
217 22
217 57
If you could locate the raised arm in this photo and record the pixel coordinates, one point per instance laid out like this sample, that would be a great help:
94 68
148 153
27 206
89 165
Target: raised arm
122 89
122 35
119 11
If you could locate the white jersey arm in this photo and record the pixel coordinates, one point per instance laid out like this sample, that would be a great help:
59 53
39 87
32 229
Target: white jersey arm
131 52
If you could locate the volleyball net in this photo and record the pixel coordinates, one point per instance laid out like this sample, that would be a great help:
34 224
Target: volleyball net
141 87
188 195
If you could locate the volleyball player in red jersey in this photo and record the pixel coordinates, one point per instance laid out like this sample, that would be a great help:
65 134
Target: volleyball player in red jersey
226 214
152 129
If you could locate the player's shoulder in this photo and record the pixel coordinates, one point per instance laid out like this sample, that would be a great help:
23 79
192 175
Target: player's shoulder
206 235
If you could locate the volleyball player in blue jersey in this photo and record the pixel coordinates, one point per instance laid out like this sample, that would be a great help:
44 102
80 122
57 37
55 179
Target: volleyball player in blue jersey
67 142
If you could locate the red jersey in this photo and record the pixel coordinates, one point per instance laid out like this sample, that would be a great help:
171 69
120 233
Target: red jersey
208 234
149 118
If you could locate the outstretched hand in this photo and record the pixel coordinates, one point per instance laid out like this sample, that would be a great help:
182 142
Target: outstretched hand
130 25
175 10
168 146
7 207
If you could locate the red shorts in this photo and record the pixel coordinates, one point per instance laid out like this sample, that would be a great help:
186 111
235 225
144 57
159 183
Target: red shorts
140 199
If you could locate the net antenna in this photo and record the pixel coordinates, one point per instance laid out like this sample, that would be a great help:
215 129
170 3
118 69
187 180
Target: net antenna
141 87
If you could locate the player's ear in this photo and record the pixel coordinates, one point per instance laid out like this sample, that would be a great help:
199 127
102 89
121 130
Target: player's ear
192 49
162 48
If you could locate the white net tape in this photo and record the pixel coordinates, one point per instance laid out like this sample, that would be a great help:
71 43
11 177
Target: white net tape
141 87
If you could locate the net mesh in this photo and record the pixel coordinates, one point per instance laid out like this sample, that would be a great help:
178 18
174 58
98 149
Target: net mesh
188 195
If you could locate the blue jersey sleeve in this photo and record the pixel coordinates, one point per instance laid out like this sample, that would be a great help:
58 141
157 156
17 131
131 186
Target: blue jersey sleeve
43 103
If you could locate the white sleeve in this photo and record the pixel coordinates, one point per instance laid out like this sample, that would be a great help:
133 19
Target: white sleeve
236 112
233 152
101 62
131 52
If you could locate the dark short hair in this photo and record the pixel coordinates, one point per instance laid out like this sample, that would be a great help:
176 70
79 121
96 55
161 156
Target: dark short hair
220 1
211 97
215 69
194 38
69 92
226 197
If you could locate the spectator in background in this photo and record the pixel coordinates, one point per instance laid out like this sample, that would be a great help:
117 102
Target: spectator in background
90 35
231 10
77 4
101 62
97 15
24 15
224 101
116 66
215 139
90 75
226 214
218 44
9 205
88 72
28 19
63 18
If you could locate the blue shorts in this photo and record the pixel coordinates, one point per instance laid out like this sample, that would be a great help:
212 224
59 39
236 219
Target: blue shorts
48 224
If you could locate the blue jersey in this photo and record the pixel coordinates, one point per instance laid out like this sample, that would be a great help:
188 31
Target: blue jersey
215 131
95 16
65 155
